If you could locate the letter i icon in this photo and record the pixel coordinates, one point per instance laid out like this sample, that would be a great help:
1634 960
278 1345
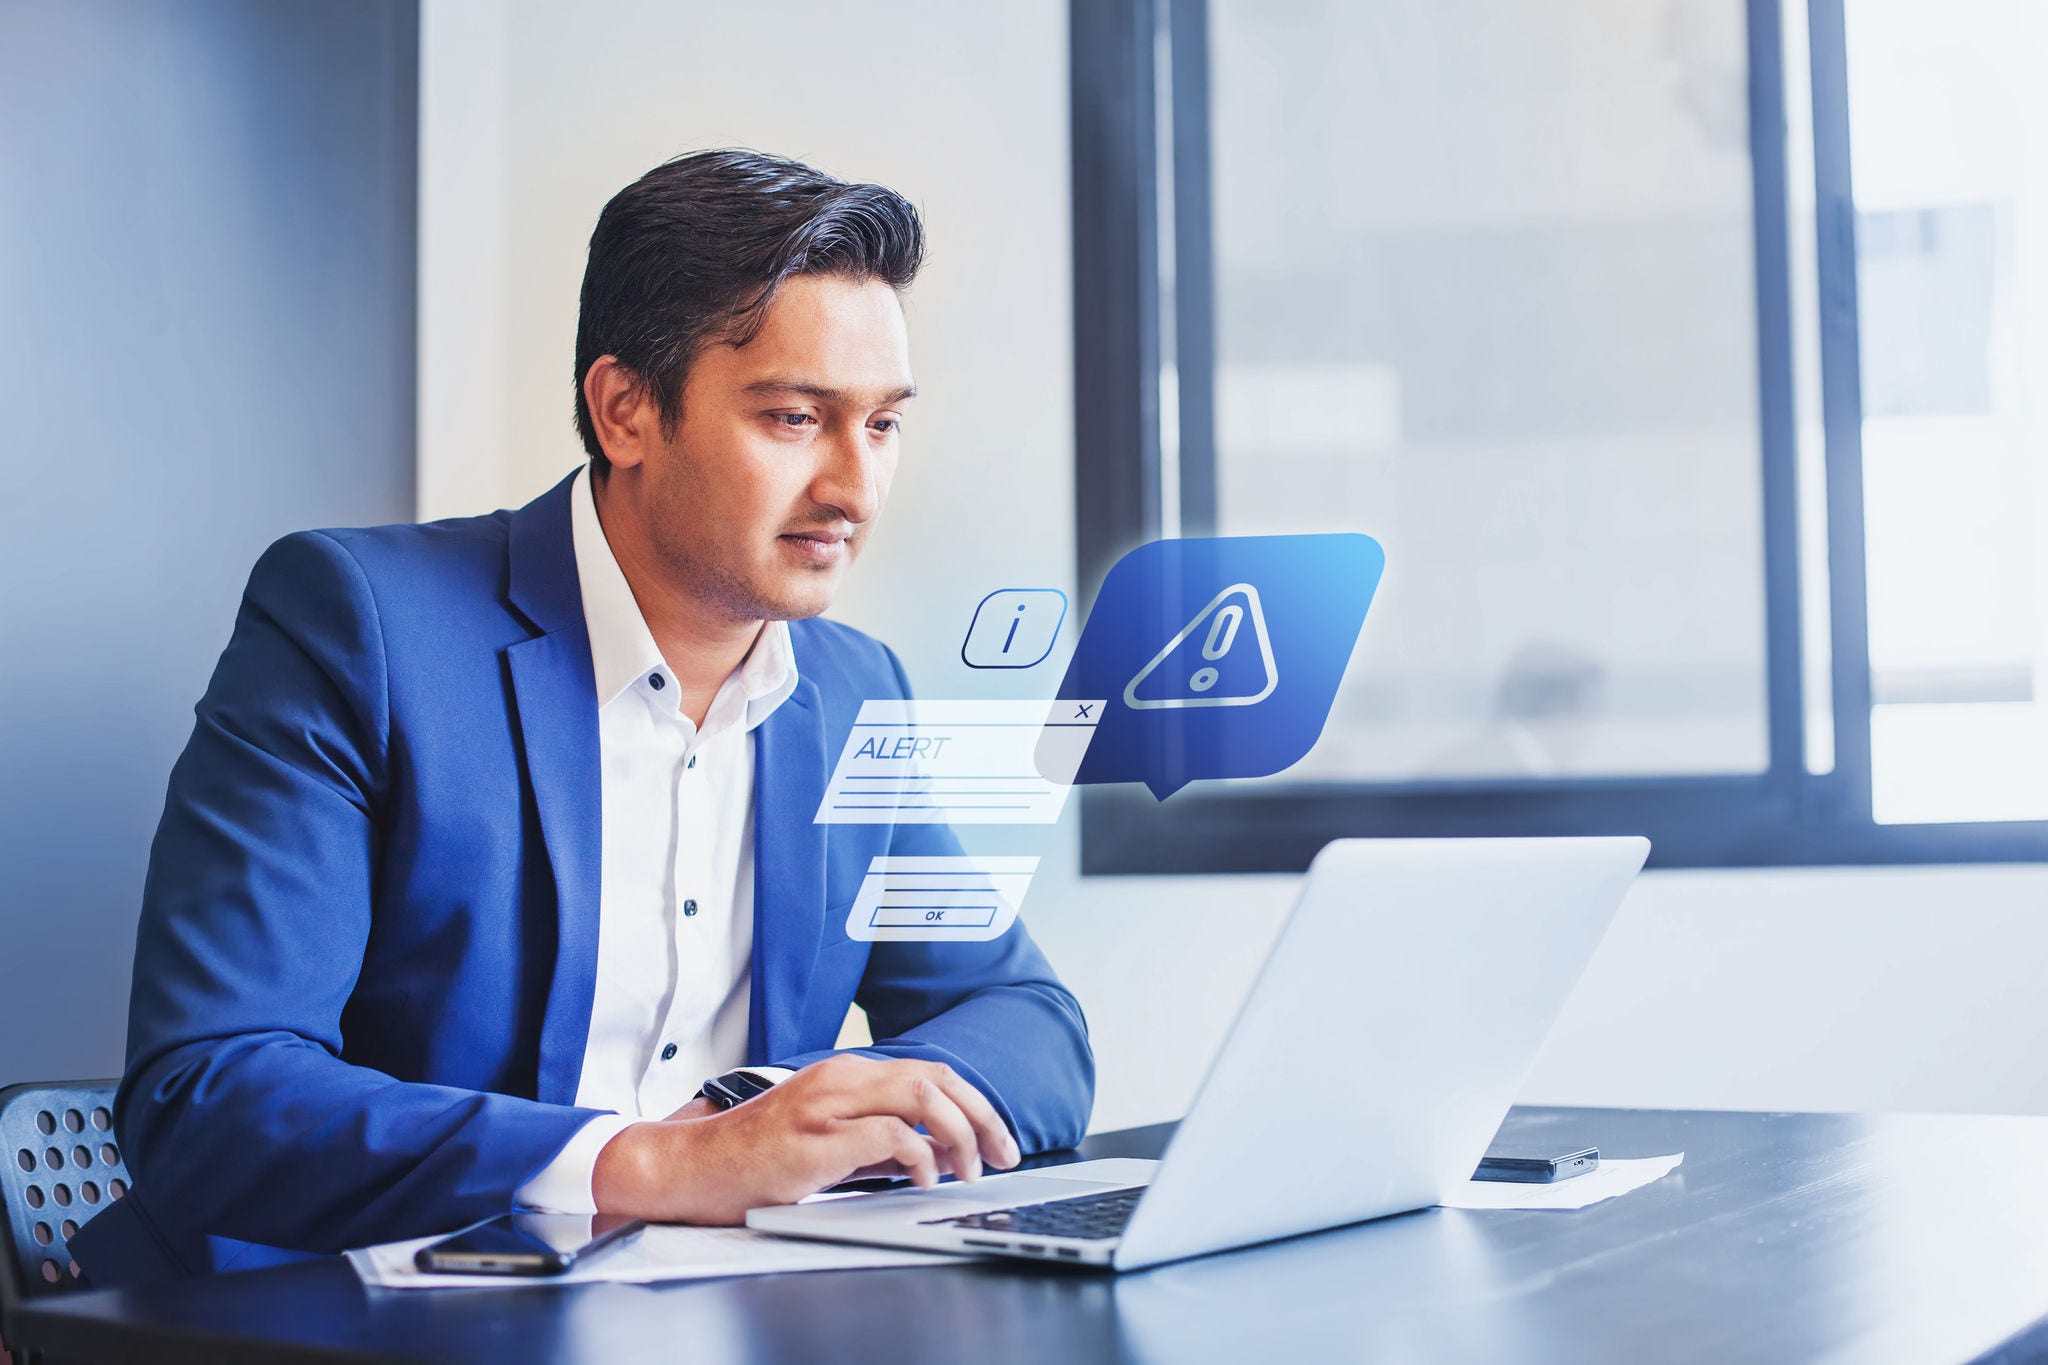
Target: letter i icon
1014 628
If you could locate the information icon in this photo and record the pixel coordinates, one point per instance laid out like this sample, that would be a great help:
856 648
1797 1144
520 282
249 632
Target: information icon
1014 628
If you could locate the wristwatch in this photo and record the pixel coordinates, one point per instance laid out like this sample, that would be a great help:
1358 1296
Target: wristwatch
737 1087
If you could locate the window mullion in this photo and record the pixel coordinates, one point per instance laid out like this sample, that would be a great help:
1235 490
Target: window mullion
1841 408
1778 437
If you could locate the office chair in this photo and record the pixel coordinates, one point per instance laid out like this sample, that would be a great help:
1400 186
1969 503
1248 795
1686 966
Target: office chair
58 1167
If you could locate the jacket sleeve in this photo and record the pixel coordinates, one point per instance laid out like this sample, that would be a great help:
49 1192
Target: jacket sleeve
993 1011
238 1115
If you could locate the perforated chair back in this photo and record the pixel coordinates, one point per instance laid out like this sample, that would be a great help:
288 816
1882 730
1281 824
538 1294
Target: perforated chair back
61 1167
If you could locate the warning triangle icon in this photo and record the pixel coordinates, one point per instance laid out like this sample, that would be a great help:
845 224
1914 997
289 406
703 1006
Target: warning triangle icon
1223 657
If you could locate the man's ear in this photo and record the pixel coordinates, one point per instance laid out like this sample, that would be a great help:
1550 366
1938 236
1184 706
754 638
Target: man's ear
622 411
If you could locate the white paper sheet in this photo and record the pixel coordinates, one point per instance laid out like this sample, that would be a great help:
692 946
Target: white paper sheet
1581 1191
662 1252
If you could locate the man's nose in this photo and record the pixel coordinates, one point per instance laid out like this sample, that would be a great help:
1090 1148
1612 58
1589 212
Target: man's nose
846 480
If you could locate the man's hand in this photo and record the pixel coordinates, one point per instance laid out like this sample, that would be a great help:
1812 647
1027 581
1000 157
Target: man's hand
840 1117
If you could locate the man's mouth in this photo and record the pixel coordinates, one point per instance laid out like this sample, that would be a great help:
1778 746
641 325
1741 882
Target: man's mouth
818 547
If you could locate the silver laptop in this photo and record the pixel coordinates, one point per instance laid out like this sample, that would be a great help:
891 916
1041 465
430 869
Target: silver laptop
1376 1053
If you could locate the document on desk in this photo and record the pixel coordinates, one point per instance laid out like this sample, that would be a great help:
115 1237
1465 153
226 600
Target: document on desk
665 1251
1609 1179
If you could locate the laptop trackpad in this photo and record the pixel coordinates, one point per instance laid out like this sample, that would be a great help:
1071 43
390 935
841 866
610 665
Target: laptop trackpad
993 1192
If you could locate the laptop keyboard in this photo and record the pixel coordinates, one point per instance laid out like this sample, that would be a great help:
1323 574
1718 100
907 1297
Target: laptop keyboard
1094 1217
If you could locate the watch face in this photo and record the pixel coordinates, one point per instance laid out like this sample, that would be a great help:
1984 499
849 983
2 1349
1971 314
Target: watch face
744 1084
734 1087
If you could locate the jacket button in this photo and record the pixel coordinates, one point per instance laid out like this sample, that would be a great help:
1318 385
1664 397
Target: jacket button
668 1054
689 908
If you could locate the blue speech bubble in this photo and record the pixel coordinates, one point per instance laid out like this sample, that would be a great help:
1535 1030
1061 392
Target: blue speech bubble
1220 657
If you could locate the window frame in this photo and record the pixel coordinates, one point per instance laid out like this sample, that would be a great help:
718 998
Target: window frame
1143 343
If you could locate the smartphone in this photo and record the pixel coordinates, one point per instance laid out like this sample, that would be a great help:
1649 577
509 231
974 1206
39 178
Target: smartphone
1538 1170
526 1244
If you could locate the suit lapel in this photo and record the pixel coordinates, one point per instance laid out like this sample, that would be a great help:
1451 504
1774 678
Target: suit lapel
555 691
789 871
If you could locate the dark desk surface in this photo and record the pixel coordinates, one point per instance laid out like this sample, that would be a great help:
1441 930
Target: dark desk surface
1783 1237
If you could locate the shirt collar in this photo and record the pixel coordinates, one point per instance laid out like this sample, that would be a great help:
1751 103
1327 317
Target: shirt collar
622 649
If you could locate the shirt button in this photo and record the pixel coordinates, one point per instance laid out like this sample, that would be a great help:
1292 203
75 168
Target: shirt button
656 681
668 1054
692 763
689 908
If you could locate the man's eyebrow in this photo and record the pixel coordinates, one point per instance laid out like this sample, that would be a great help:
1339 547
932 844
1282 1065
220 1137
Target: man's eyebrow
824 393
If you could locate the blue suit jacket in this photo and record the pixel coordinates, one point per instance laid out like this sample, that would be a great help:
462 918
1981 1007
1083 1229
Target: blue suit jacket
368 944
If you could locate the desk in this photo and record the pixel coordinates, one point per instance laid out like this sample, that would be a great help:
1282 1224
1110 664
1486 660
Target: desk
1783 1237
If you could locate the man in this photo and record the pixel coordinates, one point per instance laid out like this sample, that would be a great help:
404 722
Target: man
494 840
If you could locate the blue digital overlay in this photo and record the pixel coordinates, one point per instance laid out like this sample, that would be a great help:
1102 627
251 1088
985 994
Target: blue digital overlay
1014 628
1220 657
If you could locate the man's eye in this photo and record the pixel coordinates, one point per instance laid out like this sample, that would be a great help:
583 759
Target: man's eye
885 424
794 419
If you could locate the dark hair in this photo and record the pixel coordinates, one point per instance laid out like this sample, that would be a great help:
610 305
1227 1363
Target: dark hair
693 251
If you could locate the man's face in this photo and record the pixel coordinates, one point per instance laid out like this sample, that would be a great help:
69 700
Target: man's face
785 452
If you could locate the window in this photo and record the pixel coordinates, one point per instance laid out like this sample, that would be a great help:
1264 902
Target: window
1563 303
1945 105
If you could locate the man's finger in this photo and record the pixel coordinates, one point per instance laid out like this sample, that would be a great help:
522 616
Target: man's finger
881 1137
890 1169
924 1101
859 1086
998 1148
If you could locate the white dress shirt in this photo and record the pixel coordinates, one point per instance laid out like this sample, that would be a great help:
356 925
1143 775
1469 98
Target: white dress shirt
675 933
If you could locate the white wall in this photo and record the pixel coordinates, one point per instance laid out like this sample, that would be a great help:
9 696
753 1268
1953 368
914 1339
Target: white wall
1863 989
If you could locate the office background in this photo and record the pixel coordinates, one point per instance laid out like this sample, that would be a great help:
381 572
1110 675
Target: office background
1864 988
